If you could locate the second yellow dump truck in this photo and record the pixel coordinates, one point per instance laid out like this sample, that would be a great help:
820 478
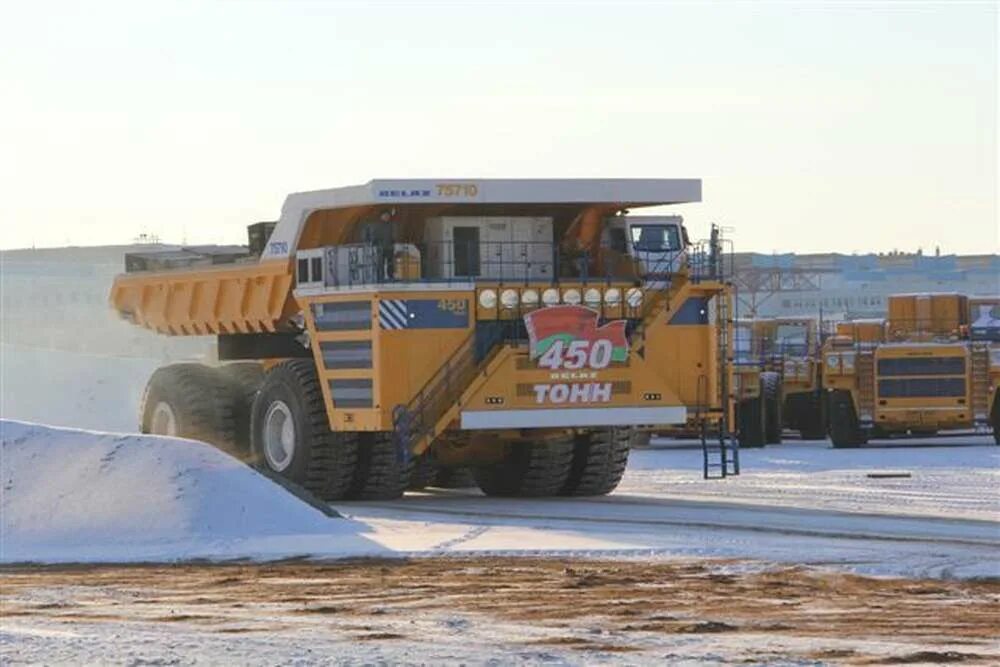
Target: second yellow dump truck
520 328
779 379
926 368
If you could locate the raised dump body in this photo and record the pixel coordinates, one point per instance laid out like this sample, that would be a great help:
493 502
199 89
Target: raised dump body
922 373
400 329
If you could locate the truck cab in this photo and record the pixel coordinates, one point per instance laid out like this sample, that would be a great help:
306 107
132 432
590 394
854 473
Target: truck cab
657 243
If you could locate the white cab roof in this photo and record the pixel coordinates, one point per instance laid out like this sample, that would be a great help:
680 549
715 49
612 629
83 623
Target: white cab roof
628 192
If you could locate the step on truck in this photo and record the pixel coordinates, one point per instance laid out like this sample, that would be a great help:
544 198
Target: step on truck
933 365
383 336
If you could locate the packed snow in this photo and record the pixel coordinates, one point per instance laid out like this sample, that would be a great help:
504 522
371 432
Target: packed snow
76 496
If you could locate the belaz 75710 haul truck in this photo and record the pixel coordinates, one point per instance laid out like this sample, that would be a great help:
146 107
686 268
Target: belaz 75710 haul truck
519 328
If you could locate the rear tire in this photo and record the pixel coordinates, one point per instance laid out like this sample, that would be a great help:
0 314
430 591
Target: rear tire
599 461
421 472
189 401
773 419
845 430
750 418
529 469
291 436
381 473
245 380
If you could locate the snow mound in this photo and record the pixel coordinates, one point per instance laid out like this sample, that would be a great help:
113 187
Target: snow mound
80 496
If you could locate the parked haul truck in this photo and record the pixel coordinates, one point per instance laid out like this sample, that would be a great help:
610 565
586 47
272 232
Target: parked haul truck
518 328
928 367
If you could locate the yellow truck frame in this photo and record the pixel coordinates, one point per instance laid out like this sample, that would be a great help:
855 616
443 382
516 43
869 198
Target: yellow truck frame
361 348
920 371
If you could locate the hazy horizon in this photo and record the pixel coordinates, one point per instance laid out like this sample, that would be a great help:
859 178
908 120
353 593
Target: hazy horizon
814 127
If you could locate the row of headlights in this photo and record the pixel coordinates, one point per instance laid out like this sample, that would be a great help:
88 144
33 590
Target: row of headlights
530 298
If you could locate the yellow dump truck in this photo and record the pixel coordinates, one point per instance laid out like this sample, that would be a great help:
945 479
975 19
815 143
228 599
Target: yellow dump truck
779 380
520 328
921 371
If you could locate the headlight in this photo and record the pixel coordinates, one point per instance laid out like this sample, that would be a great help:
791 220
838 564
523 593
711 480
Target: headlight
529 297
550 297
592 297
613 296
571 296
509 298
487 298
633 297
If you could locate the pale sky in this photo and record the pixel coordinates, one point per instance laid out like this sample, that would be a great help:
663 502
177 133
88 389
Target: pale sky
815 127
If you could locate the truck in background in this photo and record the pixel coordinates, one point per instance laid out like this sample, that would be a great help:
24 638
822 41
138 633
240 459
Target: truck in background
923 370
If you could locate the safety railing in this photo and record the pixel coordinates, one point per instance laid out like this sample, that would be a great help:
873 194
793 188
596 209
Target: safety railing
507 262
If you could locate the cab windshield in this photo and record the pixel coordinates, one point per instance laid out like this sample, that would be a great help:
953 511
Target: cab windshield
792 340
655 238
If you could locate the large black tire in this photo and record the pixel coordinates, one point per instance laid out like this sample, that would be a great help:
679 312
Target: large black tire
845 430
770 384
995 417
453 477
245 379
422 470
750 420
812 419
599 460
381 473
322 461
189 401
529 469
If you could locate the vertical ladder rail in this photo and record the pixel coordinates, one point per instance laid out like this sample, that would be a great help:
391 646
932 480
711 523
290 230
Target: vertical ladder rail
979 354
865 369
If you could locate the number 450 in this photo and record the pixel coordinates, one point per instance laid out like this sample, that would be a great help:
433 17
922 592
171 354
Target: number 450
577 354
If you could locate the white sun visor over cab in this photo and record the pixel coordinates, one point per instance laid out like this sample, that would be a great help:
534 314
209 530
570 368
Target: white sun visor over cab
625 192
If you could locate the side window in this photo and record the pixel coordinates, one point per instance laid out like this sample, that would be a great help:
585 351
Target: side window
303 271
317 269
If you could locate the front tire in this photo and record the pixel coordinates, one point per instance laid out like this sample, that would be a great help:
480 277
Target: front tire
291 437
813 421
845 429
189 400
750 418
529 469
773 418
599 461
995 417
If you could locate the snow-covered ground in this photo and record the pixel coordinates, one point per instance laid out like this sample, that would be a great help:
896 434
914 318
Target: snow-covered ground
68 495
73 495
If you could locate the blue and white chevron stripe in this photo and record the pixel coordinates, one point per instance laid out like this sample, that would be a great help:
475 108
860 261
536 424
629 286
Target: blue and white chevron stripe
393 314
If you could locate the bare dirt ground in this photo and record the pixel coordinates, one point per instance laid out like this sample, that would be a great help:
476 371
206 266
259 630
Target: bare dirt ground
516 609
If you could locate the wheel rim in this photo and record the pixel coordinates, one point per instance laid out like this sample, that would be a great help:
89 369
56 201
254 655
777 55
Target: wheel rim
279 436
164 421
